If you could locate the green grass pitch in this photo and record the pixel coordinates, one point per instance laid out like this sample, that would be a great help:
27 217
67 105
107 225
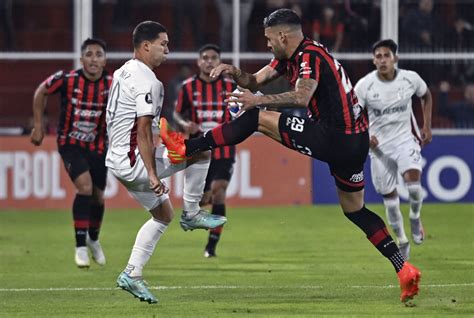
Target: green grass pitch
307 261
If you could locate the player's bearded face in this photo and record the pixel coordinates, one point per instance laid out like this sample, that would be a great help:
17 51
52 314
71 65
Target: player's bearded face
274 43
93 59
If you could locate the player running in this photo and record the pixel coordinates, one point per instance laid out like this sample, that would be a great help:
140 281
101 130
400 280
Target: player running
395 139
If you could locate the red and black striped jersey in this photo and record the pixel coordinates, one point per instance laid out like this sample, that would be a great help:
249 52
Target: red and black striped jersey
334 102
82 112
203 103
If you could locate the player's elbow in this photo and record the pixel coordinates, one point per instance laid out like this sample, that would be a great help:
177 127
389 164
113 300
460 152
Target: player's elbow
302 100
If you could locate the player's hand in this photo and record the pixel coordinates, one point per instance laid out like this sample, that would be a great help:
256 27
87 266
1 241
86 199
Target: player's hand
426 136
374 142
225 69
248 99
158 186
36 136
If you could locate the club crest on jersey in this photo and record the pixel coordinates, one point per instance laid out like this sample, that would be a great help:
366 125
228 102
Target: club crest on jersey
148 98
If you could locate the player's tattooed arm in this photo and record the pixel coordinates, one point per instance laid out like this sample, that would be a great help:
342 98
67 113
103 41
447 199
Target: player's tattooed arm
300 97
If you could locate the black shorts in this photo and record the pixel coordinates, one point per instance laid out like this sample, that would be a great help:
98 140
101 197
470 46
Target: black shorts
78 160
220 169
345 154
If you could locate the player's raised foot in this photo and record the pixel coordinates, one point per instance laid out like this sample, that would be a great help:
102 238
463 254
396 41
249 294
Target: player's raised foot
96 251
81 257
417 231
201 220
174 142
137 287
409 278
404 250
209 253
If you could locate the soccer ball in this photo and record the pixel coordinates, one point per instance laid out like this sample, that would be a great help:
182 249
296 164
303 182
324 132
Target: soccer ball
234 107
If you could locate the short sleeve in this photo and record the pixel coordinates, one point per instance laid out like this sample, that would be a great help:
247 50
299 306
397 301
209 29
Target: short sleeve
149 99
309 65
420 85
54 82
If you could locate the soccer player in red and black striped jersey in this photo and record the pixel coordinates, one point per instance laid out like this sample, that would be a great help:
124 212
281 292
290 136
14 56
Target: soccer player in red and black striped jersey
336 132
199 108
82 141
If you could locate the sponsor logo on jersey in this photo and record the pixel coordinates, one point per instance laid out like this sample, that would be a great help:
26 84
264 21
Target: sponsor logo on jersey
210 114
305 69
87 113
81 136
358 177
85 126
391 110
75 101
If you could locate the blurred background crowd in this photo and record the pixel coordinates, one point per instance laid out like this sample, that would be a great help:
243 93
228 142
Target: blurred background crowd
426 28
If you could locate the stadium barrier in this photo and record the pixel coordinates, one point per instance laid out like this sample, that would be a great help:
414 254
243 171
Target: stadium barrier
448 167
265 174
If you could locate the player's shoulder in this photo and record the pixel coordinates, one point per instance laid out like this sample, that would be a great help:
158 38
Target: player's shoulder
189 80
367 80
409 74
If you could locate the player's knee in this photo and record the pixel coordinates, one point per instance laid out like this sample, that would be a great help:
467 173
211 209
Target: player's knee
84 188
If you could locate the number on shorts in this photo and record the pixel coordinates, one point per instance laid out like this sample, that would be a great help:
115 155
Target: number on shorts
297 124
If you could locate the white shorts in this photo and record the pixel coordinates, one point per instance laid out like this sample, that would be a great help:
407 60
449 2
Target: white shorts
135 178
388 163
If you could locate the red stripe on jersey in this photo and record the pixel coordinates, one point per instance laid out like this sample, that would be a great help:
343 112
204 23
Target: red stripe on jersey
88 106
199 99
378 236
218 136
100 142
220 101
179 101
55 86
274 63
226 152
209 99
133 144
286 140
69 107
306 61
217 153
189 89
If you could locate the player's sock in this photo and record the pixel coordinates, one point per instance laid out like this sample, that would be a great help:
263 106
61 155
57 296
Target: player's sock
80 212
145 243
229 133
416 199
395 218
377 233
194 182
95 221
215 234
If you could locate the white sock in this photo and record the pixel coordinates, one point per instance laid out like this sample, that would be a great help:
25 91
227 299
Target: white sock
194 181
147 237
416 199
395 218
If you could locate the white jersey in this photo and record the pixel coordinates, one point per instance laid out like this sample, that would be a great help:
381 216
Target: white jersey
389 105
135 92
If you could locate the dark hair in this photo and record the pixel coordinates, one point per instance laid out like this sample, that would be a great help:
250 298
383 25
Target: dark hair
91 41
209 46
147 31
386 43
281 16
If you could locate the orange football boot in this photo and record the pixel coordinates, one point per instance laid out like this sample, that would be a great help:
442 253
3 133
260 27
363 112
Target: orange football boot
174 142
409 277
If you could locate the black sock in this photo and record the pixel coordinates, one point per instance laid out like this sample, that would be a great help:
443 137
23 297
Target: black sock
230 133
80 212
95 221
215 234
377 233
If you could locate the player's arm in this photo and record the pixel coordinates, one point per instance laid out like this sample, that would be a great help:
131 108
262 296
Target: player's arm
146 148
244 79
300 97
40 99
427 105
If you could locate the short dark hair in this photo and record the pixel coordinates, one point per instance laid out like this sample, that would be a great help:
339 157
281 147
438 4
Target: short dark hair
91 41
147 31
209 46
282 16
386 43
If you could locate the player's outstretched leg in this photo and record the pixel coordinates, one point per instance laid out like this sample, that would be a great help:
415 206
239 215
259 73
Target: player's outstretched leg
174 142
137 287
395 219
377 233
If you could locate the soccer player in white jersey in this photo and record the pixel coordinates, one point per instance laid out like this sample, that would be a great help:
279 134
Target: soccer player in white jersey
395 139
134 106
